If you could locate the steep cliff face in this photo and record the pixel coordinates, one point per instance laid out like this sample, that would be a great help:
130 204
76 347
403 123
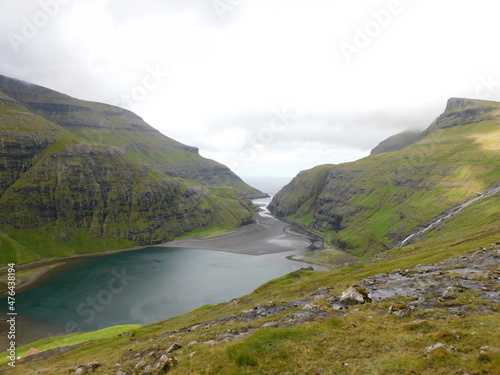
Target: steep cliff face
61 194
370 205
106 124
299 197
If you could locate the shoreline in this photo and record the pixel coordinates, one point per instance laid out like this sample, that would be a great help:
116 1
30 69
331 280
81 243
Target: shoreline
38 270
268 235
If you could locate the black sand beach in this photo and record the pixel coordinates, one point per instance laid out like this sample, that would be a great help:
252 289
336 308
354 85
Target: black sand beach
266 236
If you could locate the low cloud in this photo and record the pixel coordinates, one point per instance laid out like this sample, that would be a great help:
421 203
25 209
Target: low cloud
228 68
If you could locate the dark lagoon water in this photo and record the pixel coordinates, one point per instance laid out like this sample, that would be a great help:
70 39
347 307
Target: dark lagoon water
142 287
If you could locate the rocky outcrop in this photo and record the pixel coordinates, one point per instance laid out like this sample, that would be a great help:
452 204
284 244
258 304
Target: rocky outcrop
438 346
430 286
86 369
461 112
355 295
401 310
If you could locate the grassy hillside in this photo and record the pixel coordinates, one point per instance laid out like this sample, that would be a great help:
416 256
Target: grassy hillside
62 194
370 205
301 195
70 340
397 142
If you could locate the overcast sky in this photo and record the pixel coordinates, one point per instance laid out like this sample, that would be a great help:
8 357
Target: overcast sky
267 87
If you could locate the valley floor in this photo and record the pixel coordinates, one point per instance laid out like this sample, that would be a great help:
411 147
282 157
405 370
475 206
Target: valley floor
266 236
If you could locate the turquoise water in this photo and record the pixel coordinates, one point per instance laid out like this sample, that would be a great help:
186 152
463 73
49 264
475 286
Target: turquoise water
143 287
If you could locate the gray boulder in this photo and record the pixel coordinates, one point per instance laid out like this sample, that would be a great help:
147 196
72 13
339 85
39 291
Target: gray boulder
355 295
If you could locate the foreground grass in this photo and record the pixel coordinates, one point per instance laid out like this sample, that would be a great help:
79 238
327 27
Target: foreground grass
367 341
69 340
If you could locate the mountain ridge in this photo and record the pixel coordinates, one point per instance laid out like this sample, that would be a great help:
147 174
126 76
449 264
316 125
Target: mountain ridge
107 124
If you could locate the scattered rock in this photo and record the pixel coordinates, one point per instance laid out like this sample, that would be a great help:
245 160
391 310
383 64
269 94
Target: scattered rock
86 369
336 306
441 281
43 371
319 298
173 348
271 325
489 349
314 307
192 355
449 293
192 343
355 295
401 310
140 365
193 328
438 345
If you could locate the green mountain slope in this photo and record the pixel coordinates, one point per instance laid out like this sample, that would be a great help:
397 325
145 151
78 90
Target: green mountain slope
61 194
105 124
372 204
397 142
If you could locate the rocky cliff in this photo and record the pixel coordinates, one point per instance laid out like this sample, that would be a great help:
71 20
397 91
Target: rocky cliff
79 177
370 205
